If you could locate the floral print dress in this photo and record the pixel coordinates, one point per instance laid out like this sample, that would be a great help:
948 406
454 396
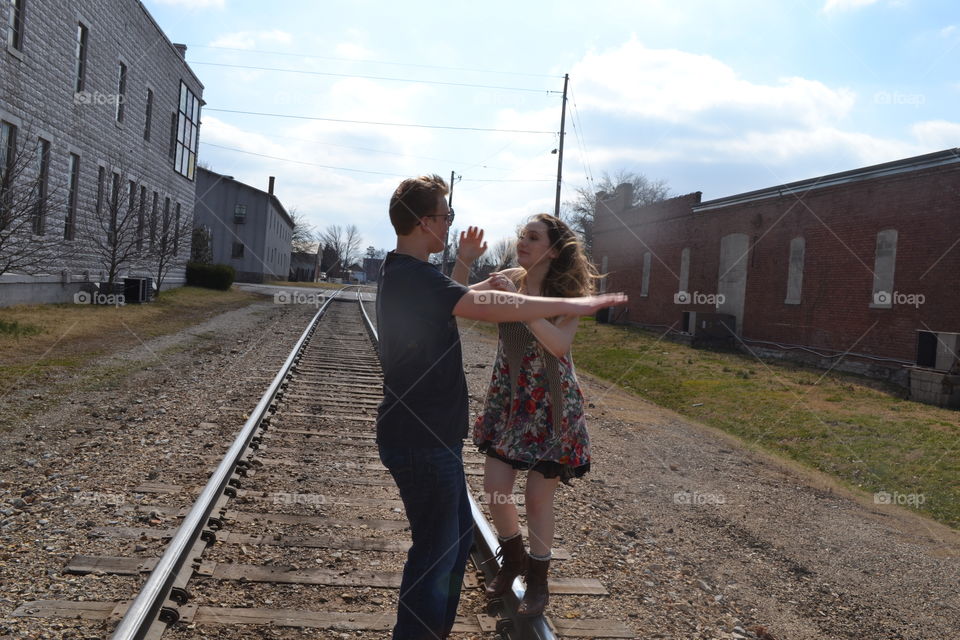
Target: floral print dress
533 412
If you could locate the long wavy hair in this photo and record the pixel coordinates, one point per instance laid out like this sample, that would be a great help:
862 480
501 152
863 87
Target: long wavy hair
571 274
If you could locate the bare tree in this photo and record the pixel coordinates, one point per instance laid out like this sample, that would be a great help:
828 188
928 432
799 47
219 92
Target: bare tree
117 226
503 254
579 211
344 242
304 236
27 202
168 236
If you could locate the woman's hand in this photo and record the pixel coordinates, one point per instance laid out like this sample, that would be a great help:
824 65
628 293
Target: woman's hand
501 282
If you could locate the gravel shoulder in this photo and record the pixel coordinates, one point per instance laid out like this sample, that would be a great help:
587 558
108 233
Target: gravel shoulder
693 534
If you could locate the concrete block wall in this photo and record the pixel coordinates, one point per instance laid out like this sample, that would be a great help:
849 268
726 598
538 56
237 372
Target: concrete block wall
37 94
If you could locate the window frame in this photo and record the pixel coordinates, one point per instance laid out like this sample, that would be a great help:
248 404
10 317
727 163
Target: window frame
73 182
83 44
121 90
16 20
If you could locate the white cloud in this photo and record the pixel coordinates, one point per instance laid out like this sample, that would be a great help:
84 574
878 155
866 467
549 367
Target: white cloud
843 5
949 31
195 4
676 86
252 39
937 134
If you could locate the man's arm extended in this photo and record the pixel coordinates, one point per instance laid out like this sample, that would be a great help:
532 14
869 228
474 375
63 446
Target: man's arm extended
500 306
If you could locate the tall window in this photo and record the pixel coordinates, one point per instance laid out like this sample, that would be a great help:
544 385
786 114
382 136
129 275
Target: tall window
645 278
237 250
884 265
165 230
173 135
69 223
153 219
8 155
188 125
43 178
101 174
795 271
146 128
121 90
15 30
141 217
114 208
81 69
239 214
176 231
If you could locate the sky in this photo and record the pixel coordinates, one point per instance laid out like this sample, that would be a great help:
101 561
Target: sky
718 97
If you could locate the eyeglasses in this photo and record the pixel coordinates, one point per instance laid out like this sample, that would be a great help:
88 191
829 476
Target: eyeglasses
448 216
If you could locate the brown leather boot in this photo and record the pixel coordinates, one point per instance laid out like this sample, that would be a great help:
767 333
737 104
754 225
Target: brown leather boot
536 596
514 564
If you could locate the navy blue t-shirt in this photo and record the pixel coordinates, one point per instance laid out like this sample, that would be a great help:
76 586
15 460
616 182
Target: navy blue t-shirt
424 388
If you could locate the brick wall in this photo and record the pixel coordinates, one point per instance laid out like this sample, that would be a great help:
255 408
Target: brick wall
839 225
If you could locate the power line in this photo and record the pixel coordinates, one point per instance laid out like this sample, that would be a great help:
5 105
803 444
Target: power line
385 152
354 60
311 164
334 168
365 77
384 124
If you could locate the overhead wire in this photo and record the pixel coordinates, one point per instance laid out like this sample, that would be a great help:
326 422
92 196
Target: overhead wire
385 124
383 62
336 168
367 77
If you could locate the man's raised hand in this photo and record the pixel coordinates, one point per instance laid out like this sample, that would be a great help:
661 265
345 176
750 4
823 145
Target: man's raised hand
472 245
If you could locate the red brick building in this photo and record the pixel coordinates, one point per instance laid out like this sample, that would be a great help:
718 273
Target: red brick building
845 267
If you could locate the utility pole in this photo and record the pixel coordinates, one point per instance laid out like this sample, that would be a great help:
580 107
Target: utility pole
446 239
563 120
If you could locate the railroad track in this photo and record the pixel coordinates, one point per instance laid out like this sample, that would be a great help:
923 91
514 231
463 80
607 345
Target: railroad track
299 526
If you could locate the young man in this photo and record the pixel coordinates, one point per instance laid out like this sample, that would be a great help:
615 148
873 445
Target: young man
422 420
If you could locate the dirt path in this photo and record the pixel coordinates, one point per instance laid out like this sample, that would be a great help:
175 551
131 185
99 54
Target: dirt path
696 535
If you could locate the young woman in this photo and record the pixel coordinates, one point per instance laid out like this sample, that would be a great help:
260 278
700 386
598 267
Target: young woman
533 414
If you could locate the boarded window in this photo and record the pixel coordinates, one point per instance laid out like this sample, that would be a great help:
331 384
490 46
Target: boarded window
883 268
645 277
795 273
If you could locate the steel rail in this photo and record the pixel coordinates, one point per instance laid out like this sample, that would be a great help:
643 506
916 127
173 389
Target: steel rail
486 543
144 610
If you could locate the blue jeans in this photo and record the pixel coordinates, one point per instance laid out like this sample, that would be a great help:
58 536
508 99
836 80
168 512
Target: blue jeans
434 492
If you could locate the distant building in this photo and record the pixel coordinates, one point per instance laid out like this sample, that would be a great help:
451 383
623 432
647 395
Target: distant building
106 111
855 270
304 266
371 267
250 229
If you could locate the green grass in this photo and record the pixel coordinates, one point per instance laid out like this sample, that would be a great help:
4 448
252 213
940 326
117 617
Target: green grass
860 431
42 346
18 329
